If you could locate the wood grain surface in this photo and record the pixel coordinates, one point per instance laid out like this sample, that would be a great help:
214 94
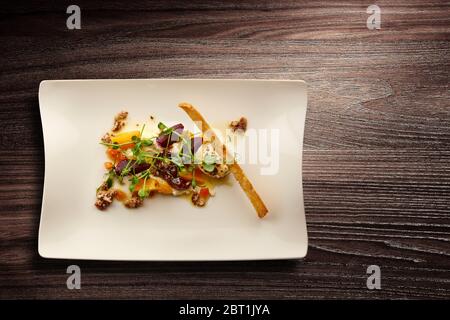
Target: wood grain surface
376 163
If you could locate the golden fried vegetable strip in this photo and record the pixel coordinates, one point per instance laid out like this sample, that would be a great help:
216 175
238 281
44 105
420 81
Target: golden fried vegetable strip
235 168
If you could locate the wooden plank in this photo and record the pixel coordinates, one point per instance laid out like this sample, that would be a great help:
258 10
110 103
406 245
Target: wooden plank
363 207
356 98
268 20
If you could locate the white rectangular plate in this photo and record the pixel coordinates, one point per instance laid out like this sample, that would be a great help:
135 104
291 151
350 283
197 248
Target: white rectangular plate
75 115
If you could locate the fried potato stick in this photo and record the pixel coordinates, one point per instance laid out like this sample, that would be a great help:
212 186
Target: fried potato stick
235 168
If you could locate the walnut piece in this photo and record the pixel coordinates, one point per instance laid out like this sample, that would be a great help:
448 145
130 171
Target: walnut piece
239 125
197 200
134 202
221 170
104 198
119 121
106 138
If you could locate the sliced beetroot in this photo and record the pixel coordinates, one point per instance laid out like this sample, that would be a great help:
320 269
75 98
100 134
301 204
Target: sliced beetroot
163 139
196 142
169 172
179 183
138 168
120 166
134 167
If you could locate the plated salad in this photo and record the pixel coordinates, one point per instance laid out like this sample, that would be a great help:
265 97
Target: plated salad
171 161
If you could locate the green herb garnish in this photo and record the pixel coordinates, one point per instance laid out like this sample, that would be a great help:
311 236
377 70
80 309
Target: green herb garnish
133 182
162 126
208 167
143 193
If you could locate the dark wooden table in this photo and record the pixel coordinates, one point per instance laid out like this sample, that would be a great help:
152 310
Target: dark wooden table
377 141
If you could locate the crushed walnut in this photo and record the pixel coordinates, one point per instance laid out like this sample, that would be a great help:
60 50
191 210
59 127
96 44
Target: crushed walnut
119 121
105 196
134 202
239 125
106 138
220 170
200 196
197 200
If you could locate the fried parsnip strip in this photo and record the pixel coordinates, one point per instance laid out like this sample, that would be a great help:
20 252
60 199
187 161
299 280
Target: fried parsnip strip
235 168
